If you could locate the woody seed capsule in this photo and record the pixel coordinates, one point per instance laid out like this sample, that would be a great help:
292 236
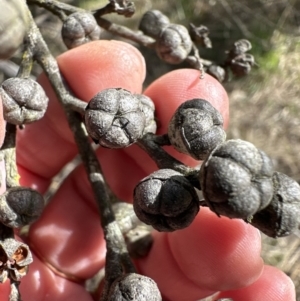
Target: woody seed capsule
281 217
24 100
173 44
166 200
236 179
114 118
80 28
196 128
134 286
14 24
152 22
20 206
15 257
148 108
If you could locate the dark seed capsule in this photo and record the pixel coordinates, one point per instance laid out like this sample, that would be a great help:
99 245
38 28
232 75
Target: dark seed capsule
114 118
196 128
166 201
20 206
200 35
282 216
236 179
80 28
217 72
239 47
24 100
242 64
174 44
152 22
134 287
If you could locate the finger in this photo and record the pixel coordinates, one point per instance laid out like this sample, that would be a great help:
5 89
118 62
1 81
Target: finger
272 285
210 255
87 69
42 284
68 235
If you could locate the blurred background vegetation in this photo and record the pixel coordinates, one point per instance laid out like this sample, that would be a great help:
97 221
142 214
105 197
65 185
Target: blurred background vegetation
264 106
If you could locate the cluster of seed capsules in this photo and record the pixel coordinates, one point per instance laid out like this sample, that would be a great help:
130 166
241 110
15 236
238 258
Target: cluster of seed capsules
24 101
237 180
172 42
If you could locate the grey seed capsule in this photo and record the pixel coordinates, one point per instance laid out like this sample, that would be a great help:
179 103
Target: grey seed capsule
24 100
217 72
174 44
148 108
20 206
14 23
196 128
114 118
236 179
282 216
240 47
80 28
15 257
133 286
199 35
166 200
241 65
152 22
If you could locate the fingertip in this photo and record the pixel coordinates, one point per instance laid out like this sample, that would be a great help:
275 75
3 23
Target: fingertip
41 284
162 267
101 65
218 253
211 255
272 285
175 87
172 89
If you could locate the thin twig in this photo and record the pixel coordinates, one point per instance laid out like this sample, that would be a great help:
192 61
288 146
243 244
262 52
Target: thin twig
14 291
56 7
9 152
152 145
160 156
126 33
116 247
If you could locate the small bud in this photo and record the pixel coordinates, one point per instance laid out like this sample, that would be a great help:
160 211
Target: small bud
114 118
15 257
166 200
152 23
20 206
282 216
174 44
80 28
24 100
196 128
236 179
134 287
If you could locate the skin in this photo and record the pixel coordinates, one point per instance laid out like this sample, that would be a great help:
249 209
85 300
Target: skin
213 254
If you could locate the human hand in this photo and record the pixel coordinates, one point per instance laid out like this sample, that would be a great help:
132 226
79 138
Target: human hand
213 254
